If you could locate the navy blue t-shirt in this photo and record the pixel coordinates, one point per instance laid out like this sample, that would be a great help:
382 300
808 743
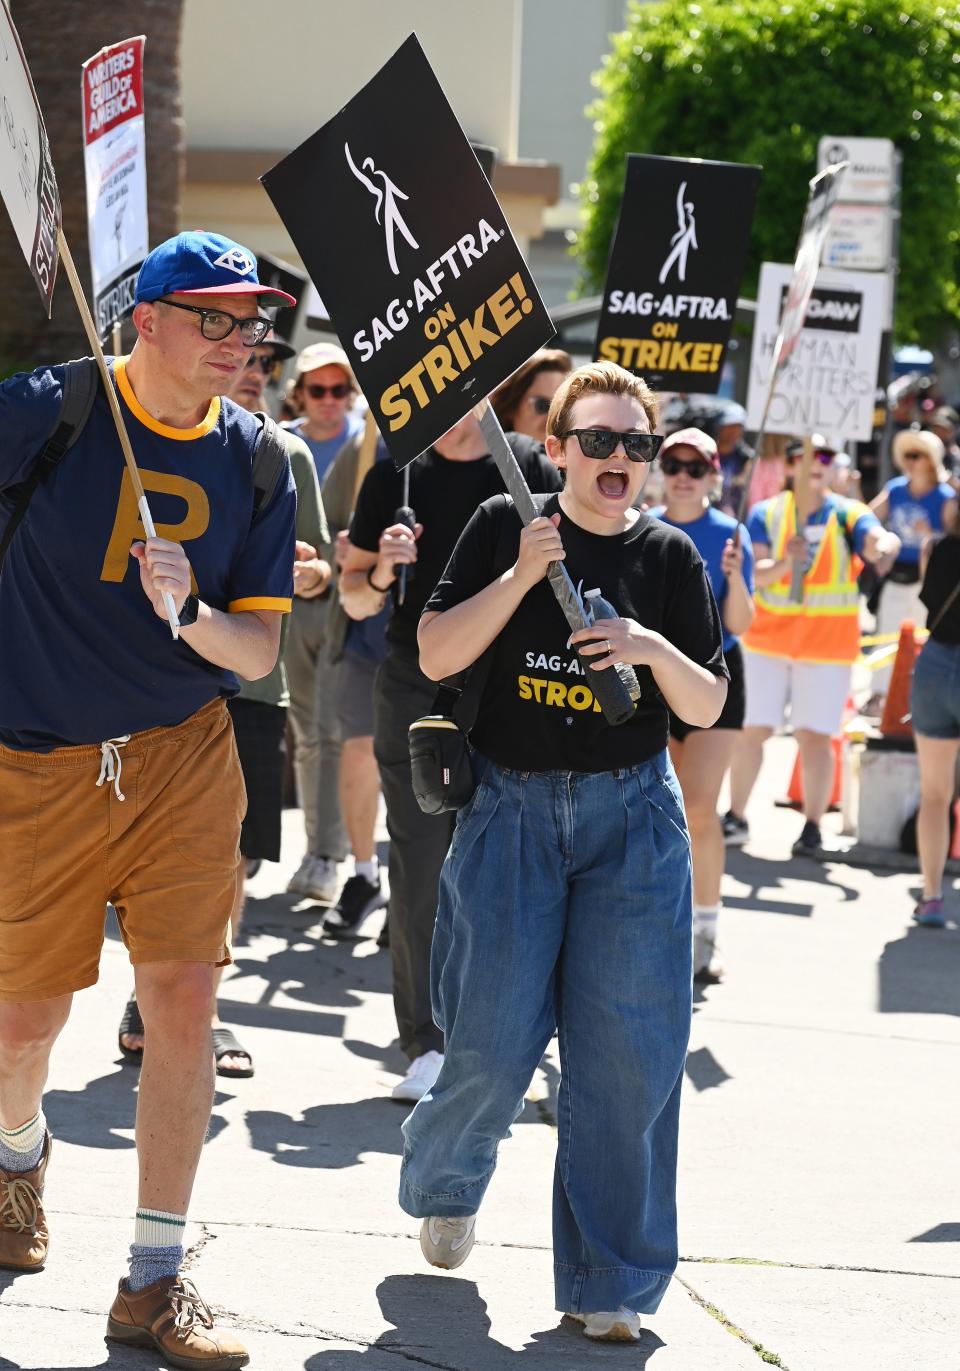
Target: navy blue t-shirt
710 535
83 655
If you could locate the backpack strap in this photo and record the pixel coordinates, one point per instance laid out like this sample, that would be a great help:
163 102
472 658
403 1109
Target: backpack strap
81 381
270 460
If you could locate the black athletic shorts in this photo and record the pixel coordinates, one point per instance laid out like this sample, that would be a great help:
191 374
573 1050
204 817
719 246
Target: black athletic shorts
260 731
731 716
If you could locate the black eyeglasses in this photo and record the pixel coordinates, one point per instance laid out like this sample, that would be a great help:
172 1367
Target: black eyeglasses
601 443
266 364
339 392
914 456
672 466
539 404
217 324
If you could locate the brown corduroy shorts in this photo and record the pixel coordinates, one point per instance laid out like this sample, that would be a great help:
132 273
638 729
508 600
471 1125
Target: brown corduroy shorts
165 856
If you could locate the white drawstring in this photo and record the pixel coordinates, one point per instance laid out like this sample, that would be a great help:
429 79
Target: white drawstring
111 763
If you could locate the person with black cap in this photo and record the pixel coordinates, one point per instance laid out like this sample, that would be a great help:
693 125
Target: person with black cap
119 779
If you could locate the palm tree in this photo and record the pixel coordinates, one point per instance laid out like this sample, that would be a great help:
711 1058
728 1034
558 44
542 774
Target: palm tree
58 36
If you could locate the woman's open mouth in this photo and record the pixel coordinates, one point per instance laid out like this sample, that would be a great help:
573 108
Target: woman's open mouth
613 483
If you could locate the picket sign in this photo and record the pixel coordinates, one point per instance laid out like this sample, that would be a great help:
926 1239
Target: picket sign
28 186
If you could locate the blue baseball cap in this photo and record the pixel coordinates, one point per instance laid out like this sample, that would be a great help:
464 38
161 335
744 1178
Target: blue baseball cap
201 263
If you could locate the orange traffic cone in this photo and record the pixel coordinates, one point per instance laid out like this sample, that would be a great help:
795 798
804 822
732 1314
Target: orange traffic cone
795 788
896 708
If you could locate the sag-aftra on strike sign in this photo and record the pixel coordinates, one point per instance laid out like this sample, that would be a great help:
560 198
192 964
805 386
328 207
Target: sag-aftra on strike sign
408 246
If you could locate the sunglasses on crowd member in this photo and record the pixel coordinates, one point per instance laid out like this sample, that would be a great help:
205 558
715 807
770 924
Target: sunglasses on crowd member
672 466
339 392
916 455
266 364
601 443
217 324
539 404
821 455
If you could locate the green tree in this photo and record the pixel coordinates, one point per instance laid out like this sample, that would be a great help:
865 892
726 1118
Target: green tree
761 82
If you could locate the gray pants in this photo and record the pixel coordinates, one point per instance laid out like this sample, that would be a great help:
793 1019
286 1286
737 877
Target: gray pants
418 845
313 714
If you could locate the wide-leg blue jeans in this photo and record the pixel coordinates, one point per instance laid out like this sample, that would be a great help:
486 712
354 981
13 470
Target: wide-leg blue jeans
565 903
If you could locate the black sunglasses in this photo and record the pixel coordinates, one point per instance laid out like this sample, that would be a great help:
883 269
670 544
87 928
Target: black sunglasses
217 324
672 466
339 392
601 443
266 364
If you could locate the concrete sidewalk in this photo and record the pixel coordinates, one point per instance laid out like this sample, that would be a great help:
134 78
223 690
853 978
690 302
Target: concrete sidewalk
820 1225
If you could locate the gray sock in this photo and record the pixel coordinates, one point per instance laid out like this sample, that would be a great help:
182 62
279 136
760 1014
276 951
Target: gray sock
21 1148
149 1264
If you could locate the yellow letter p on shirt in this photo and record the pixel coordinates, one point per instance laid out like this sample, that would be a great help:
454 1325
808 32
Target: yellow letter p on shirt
128 526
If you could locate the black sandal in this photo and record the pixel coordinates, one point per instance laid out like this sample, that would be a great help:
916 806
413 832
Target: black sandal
226 1045
131 1022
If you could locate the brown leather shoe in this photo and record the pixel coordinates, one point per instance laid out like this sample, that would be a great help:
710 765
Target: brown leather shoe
170 1315
23 1226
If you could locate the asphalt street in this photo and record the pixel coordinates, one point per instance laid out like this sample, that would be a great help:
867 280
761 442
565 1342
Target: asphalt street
819 1215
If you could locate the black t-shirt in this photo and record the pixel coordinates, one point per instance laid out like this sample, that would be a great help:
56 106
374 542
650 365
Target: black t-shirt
443 495
537 711
943 573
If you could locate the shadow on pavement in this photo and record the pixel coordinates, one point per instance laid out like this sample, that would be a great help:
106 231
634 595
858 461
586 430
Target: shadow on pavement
330 1136
920 973
442 1321
90 1117
703 1071
941 1232
767 874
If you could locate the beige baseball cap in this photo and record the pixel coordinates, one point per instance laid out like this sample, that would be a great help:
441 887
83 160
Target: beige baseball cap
324 355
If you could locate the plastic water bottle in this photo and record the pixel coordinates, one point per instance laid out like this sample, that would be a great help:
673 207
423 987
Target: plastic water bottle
596 608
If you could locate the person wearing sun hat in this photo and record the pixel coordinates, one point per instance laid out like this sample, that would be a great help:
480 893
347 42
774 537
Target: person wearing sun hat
916 505
119 779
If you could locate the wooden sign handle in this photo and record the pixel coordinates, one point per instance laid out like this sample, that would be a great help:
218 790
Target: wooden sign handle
94 340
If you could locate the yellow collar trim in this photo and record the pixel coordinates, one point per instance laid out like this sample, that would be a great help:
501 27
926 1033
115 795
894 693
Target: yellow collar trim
180 435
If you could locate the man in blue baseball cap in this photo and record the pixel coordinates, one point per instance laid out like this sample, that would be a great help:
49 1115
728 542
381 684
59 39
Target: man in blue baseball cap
119 779
734 455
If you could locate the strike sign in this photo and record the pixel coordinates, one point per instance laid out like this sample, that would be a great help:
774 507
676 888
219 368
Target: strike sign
675 267
27 182
115 164
399 229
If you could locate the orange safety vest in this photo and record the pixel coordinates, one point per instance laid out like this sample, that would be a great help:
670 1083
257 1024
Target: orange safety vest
826 626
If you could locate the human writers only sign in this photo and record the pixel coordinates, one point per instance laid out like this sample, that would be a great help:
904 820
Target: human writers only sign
409 248
675 269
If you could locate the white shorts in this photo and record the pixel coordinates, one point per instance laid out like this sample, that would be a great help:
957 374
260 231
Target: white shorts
815 691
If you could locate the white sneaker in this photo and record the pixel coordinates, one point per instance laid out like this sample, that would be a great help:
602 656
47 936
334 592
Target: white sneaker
421 1076
447 1242
707 964
315 877
620 1326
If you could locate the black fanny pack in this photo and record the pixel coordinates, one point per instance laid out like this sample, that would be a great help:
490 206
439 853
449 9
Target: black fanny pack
440 762
904 573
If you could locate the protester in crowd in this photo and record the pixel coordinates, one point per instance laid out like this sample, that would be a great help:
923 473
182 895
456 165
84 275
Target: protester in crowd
581 823
945 422
935 710
356 647
843 478
735 456
690 464
119 778
447 483
259 711
522 402
327 389
801 653
915 504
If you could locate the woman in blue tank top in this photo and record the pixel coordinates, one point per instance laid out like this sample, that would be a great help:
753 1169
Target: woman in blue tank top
917 504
